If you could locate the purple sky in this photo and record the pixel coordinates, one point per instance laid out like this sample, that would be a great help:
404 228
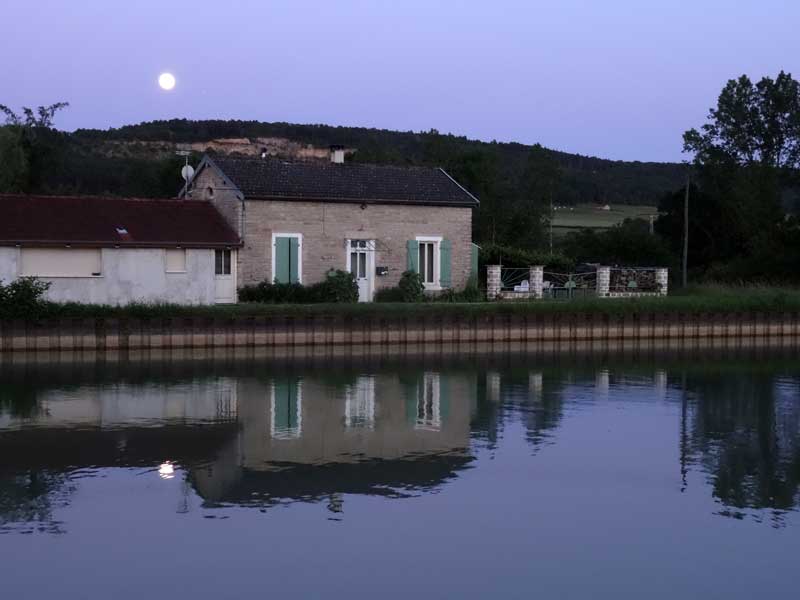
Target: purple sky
614 78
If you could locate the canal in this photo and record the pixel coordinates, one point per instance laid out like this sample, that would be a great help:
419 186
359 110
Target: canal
464 475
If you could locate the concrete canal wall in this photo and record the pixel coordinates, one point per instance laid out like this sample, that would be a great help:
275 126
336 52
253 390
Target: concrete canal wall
323 331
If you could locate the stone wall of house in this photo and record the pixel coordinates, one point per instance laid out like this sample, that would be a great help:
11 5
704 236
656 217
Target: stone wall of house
325 227
211 186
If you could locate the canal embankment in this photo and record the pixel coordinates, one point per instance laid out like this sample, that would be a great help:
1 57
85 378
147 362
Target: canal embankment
376 328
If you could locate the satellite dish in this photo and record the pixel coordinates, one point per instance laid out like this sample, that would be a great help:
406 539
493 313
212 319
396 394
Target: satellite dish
186 172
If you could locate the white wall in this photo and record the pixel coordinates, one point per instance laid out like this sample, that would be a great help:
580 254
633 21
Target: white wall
129 275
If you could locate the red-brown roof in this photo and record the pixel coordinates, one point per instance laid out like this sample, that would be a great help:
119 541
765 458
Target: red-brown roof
107 221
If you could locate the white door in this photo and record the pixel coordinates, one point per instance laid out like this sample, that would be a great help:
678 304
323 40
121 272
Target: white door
225 276
361 263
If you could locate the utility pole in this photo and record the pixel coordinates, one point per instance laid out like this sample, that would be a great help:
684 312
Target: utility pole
686 225
551 218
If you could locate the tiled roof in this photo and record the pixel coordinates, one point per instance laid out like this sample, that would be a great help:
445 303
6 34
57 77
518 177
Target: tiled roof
267 178
108 221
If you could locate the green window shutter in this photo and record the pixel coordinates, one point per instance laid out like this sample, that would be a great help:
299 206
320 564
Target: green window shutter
445 261
413 256
287 260
294 260
473 269
444 397
282 251
285 405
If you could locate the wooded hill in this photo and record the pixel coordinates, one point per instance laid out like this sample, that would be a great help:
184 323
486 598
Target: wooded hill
138 160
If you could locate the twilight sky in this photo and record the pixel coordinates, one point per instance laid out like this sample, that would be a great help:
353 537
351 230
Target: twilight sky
617 79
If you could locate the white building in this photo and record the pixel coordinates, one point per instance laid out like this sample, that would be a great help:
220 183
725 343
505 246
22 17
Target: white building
119 250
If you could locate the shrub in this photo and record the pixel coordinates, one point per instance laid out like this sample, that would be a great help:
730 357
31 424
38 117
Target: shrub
411 287
338 286
470 293
274 293
629 243
23 298
392 294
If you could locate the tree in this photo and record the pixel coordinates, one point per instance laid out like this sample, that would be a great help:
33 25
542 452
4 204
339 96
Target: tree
31 150
41 117
14 173
753 125
744 157
630 244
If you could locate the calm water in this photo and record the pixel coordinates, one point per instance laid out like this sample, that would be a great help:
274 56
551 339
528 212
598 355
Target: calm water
504 475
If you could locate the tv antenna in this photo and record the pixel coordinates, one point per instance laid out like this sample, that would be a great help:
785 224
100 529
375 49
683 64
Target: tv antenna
187 170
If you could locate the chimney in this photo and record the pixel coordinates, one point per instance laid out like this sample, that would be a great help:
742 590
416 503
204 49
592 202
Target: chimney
337 154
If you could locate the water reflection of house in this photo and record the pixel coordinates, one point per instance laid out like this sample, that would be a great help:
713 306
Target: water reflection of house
302 437
274 437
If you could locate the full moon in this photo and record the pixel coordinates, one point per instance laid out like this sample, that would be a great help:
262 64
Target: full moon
166 81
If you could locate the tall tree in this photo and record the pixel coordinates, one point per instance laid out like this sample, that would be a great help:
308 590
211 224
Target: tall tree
744 156
30 148
753 125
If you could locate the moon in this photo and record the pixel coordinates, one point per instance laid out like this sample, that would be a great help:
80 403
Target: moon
166 81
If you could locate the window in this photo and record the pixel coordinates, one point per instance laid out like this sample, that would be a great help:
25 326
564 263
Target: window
424 402
358 258
428 259
359 404
287 252
176 260
222 262
61 262
286 410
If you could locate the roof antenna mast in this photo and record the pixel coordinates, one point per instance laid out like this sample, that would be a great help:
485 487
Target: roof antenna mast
187 171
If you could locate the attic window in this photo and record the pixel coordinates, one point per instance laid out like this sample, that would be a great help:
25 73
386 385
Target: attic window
122 231
209 192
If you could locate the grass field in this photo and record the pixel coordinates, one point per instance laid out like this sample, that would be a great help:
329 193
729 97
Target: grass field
591 216
696 299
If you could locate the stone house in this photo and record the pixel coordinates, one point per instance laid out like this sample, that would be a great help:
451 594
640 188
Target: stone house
298 220
105 250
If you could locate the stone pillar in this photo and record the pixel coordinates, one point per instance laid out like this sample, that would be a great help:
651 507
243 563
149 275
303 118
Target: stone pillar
660 384
601 384
536 279
493 386
535 386
603 281
662 281
492 282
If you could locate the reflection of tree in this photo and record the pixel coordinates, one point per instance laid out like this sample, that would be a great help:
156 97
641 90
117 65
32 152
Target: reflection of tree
19 399
30 497
744 429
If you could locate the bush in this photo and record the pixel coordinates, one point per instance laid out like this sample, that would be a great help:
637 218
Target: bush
470 293
23 298
411 287
629 243
392 294
338 286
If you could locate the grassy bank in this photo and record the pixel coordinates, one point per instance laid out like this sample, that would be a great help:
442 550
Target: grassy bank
693 300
